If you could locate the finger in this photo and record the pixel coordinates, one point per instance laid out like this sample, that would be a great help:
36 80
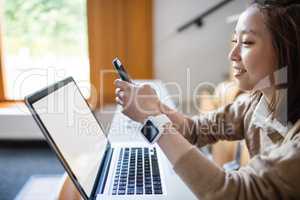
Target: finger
123 85
119 101
117 90
121 95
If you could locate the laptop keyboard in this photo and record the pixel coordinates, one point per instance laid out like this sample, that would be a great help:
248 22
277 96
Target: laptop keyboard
137 172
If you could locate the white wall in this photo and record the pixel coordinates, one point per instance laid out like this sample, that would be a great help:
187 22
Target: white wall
16 122
203 50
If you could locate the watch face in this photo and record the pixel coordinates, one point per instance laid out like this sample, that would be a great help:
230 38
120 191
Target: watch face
150 131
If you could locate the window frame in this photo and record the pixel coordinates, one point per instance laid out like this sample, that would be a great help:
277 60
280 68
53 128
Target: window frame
2 92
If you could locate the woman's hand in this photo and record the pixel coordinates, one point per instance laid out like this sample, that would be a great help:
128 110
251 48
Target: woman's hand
138 101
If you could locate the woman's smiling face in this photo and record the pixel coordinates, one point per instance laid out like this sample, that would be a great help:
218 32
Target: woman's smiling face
253 56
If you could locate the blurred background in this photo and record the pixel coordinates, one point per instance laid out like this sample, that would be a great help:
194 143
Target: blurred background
44 41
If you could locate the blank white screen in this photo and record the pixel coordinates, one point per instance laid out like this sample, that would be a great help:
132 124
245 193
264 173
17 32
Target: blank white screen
75 131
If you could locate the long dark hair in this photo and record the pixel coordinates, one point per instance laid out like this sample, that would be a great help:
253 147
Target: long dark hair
282 18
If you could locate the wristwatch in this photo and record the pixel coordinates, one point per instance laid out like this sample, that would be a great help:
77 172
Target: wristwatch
153 127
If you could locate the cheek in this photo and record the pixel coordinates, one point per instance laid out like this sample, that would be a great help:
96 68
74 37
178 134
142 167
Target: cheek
257 64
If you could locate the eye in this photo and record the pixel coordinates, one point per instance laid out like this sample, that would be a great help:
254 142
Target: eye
247 43
234 38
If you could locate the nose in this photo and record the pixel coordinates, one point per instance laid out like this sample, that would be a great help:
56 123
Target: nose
234 54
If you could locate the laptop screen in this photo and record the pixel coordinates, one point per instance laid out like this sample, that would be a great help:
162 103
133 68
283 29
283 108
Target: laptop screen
75 131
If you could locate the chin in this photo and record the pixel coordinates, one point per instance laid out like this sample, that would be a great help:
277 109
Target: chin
243 86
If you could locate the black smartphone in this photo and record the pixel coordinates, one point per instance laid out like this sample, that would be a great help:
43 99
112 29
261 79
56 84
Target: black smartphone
121 70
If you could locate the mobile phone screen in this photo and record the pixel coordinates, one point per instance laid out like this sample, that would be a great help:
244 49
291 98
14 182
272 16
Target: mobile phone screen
121 70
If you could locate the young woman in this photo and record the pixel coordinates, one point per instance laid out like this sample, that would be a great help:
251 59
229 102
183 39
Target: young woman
266 59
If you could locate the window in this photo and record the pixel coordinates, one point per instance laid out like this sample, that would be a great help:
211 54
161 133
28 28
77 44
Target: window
43 42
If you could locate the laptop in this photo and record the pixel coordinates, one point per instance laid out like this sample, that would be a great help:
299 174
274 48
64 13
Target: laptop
98 168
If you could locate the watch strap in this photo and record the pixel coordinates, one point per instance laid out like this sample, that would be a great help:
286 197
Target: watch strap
159 121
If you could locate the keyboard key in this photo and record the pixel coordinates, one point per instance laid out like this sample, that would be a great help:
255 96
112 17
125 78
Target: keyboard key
121 192
130 191
139 190
148 191
157 191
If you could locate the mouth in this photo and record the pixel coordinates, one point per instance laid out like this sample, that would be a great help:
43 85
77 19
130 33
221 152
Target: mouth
238 71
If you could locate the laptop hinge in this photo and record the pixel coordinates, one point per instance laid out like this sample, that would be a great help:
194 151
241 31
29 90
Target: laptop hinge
101 178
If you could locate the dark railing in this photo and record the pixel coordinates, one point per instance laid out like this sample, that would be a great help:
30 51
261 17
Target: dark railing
199 19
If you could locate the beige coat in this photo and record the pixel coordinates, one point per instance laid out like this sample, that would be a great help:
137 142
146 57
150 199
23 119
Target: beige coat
274 169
